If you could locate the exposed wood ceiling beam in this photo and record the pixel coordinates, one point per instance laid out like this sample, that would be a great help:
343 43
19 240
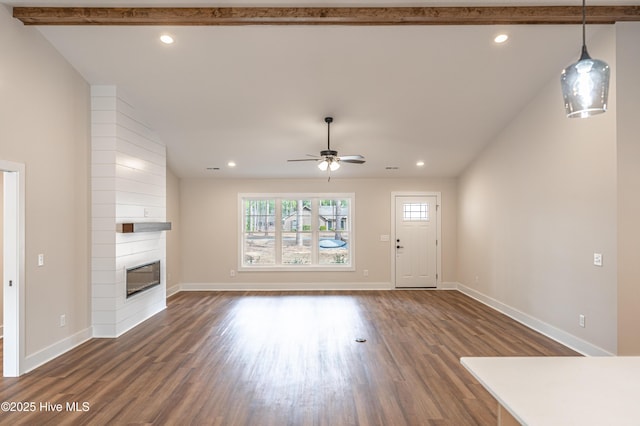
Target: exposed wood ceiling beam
324 15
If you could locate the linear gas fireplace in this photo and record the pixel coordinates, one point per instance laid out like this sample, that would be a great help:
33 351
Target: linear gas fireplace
142 277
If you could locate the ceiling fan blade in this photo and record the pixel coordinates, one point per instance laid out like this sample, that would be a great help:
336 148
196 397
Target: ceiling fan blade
330 158
356 159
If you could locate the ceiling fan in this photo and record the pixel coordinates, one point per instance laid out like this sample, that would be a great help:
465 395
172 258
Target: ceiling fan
328 158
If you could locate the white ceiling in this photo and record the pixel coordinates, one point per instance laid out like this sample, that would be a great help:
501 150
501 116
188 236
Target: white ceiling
258 95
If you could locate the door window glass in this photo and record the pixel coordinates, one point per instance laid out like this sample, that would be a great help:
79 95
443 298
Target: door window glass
415 212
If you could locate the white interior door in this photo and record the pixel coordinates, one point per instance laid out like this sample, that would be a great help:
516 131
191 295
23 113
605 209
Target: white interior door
416 241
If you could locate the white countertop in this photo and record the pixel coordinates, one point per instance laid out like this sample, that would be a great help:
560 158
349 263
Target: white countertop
549 391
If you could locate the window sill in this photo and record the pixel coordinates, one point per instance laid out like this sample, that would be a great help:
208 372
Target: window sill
280 268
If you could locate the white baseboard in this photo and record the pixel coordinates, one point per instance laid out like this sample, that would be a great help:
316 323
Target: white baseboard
173 290
448 286
280 286
45 355
560 336
296 286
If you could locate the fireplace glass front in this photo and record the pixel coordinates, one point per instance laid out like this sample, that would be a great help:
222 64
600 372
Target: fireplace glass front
142 277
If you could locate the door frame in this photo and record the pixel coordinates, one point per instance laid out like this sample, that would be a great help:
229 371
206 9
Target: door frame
13 268
438 195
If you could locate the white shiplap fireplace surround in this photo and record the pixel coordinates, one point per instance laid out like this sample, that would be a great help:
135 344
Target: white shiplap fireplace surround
128 184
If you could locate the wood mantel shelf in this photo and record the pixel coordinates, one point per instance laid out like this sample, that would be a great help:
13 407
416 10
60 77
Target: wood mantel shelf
127 228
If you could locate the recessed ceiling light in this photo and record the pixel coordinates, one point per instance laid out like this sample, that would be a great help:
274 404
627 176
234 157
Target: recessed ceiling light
231 164
501 38
420 163
166 39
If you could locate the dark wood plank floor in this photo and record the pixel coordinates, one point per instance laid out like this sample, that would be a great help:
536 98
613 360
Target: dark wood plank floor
284 358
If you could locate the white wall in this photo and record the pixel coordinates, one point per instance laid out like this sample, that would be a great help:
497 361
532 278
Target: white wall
209 230
128 185
44 105
628 128
536 205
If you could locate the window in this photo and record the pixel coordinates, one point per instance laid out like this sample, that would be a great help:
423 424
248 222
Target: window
296 231
415 212
333 227
259 232
296 235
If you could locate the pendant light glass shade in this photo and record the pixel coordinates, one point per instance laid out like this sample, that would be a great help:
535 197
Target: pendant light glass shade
585 87
585 84
323 165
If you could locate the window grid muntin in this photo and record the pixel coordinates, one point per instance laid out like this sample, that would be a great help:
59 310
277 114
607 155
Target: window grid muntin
415 212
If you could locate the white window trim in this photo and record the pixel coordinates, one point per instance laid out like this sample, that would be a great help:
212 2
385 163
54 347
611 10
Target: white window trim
351 196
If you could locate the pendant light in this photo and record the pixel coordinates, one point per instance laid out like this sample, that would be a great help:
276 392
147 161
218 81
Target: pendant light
585 84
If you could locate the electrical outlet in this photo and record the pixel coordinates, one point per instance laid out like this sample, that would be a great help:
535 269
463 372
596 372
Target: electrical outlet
41 260
63 320
581 320
232 273
365 272
597 259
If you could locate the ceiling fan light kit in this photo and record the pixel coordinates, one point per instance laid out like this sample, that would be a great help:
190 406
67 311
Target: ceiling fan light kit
332 165
329 159
585 84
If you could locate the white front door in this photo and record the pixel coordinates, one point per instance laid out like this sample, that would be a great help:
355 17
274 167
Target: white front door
416 241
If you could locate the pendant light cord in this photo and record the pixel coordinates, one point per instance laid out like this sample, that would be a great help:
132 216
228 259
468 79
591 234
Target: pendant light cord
584 22
585 54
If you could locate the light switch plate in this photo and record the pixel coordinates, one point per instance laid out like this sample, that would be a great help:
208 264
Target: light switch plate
41 260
